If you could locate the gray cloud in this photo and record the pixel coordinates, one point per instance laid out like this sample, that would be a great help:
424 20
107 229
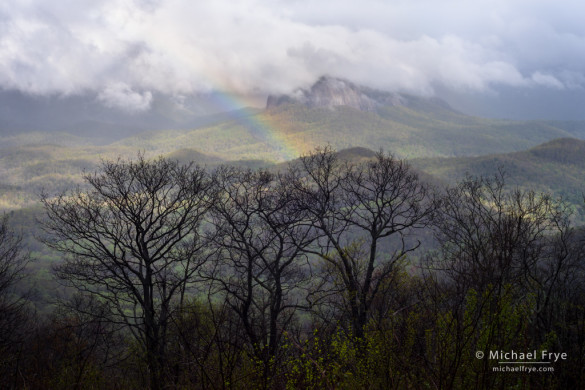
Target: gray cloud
124 51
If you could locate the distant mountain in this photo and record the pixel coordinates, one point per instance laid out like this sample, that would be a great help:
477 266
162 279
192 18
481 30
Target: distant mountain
566 151
356 154
332 112
343 115
557 167
187 155
333 92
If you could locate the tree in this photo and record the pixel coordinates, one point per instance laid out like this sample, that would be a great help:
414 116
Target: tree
133 239
75 350
491 236
260 240
507 257
13 313
355 210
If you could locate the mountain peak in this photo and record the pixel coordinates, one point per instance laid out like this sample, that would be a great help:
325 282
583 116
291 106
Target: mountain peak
562 150
331 92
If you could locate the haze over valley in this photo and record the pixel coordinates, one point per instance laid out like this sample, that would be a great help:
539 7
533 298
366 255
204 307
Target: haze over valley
332 111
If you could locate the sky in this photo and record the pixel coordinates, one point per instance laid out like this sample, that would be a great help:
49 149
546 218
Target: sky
515 58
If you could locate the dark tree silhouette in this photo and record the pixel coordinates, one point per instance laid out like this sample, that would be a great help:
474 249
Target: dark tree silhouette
354 210
133 239
260 240
13 313
505 254
492 236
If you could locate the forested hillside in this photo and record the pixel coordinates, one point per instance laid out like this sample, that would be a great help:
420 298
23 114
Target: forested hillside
557 167
418 128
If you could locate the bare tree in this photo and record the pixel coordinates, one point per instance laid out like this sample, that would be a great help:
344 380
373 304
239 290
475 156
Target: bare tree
492 236
505 255
133 239
260 240
13 313
365 216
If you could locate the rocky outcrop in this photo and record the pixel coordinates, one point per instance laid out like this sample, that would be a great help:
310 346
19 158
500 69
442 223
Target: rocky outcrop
331 92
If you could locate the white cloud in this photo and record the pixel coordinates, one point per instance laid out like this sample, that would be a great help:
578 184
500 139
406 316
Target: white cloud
126 50
120 95
547 80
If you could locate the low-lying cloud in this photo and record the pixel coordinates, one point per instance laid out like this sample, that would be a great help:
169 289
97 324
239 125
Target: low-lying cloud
123 52
122 96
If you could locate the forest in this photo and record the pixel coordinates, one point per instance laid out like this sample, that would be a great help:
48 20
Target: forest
323 273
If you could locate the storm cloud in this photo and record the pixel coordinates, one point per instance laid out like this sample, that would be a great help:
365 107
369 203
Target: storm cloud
125 51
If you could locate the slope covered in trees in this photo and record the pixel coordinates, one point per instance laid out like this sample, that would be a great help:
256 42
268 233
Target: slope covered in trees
334 112
557 167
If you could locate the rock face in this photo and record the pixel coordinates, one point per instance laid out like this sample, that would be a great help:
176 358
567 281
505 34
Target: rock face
331 92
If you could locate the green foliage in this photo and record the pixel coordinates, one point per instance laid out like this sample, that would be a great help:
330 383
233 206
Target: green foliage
385 359
493 321
335 363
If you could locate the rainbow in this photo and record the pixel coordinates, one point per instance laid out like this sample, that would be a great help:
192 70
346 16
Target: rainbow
261 127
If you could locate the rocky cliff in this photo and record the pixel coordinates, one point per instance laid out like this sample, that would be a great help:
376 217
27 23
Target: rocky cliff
331 92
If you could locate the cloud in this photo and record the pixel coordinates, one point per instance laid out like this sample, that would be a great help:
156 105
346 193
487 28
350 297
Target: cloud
124 52
547 80
120 95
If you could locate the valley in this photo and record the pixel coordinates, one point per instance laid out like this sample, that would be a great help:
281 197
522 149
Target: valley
439 140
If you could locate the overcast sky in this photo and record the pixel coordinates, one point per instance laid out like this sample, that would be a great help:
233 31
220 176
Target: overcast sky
127 51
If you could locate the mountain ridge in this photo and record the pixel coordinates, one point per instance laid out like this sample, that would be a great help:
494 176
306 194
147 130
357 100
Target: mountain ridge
556 167
332 92
409 127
